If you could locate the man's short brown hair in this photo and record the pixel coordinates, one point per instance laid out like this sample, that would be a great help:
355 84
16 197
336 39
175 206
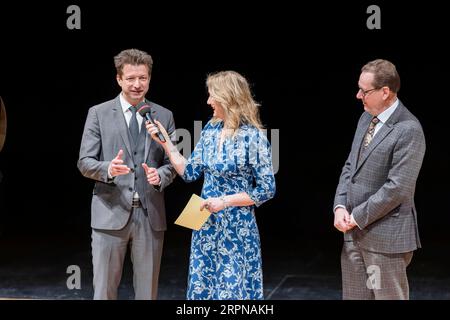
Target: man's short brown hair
385 74
134 57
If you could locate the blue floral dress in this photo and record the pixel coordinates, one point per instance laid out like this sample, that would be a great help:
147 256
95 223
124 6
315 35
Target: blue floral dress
225 260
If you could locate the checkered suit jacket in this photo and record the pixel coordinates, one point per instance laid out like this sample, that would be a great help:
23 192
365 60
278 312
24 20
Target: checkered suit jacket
378 189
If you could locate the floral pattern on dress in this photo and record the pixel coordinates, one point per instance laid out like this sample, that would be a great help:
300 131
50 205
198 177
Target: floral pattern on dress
225 261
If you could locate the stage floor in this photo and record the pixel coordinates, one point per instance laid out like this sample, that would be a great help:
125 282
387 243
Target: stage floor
36 268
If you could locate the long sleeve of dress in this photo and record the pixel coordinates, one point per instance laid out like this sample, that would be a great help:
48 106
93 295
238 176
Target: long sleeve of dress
195 164
260 158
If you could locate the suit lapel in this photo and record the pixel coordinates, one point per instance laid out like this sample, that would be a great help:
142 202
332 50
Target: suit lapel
384 131
381 135
360 134
148 138
121 124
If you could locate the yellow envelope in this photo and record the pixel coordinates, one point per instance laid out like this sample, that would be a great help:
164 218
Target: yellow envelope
192 217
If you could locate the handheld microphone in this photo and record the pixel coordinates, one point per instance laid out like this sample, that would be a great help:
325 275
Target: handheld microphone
146 112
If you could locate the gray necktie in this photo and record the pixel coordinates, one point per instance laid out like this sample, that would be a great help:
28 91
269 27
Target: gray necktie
134 126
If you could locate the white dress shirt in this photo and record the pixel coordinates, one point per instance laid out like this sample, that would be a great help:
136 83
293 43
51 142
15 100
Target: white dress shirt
127 112
384 116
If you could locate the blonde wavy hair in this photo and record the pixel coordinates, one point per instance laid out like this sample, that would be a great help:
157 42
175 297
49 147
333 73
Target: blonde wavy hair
232 91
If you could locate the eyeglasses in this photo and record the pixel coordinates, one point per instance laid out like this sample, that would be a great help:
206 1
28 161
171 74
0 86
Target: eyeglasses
365 93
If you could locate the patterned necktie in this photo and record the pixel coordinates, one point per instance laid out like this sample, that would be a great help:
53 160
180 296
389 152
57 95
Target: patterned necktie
369 135
134 127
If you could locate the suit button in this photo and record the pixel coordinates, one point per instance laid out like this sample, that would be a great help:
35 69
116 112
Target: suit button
353 181
135 166
135 178
131 189
135 153
132 170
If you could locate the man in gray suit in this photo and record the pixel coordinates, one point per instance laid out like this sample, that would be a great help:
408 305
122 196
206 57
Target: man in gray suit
374 202
130 173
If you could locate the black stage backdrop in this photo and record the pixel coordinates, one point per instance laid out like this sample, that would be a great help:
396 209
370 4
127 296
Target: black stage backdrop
303 61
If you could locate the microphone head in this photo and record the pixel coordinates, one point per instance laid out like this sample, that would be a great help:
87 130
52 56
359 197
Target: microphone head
145 108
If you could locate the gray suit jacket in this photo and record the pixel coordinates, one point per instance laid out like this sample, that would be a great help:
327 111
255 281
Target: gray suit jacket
379 188
105 133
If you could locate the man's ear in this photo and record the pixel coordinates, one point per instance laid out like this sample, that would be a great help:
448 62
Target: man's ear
386 92
119 79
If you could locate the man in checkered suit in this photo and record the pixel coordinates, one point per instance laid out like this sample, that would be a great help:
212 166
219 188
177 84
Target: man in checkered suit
374 203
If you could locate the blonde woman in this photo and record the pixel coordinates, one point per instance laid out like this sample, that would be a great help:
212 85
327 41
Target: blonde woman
234 156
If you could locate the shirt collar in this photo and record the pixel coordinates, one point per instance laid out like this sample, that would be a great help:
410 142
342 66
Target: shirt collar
384 116
124 103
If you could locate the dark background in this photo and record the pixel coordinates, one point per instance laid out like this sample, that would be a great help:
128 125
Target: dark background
303 61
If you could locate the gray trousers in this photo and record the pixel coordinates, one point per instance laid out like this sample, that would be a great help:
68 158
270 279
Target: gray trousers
108 254
370 275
